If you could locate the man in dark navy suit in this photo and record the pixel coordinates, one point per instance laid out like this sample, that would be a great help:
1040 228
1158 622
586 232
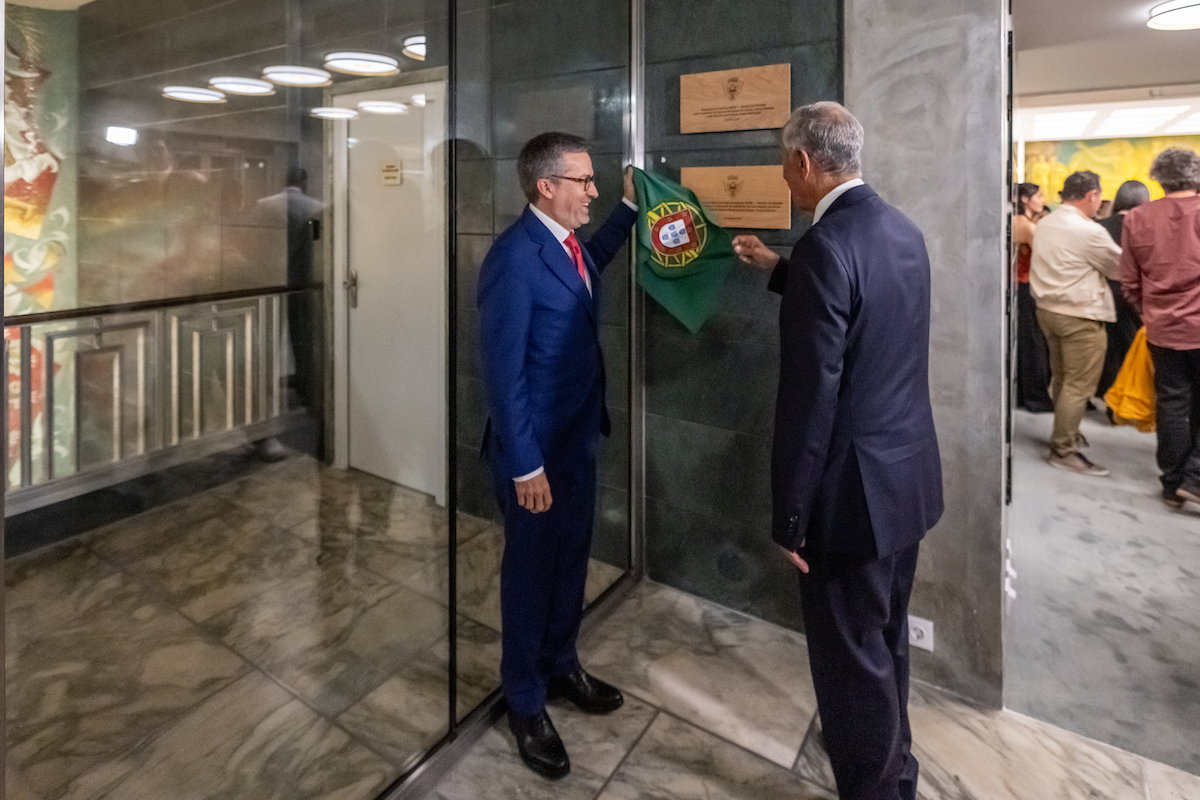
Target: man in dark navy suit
539 291
856 474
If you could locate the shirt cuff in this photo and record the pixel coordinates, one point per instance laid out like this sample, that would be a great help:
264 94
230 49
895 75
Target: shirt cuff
629 203
530 476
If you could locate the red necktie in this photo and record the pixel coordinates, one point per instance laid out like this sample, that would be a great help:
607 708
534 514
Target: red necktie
576 255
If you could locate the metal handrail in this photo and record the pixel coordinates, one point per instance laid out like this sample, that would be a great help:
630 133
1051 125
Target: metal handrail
87 312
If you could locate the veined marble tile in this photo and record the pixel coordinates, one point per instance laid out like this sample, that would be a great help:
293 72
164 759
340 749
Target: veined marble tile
478 662
332 636
407 713
678 761
813 762
600 577
741 678
478 578
254 741
212 566
15 785
84 692
1168 783
599 742
493 770
969 754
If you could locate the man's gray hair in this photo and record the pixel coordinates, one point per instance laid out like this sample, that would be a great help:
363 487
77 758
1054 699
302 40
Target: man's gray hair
1176 170
830 135
542 157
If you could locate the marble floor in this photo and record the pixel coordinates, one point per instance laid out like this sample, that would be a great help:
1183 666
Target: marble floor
1103 637
280 636
720 706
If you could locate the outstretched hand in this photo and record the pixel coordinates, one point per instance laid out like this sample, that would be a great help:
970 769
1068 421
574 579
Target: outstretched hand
795 559
629 193
752 251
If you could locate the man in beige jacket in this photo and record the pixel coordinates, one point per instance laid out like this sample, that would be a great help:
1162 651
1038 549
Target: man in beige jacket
1073 258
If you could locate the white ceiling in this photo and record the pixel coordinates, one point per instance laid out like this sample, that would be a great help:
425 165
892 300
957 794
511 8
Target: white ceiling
1084 45
1176 116
53 5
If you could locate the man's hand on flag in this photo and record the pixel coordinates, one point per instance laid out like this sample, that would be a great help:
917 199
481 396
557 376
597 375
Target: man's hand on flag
751 250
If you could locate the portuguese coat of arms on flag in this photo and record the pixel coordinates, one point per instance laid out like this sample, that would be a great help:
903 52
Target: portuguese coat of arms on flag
682 257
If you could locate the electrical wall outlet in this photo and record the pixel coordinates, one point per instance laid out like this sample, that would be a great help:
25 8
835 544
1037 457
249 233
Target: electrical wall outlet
920 633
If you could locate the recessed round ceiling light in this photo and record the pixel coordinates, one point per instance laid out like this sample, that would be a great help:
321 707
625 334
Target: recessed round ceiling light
248 86
418 99
362 63
193 94
297 76
382 107
334 113
1177 15
414 47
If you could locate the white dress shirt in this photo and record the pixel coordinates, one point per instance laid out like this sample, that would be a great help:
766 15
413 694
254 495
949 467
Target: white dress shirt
561 234
834 194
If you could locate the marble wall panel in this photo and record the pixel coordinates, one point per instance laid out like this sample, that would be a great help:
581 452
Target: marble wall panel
927 83
588 104
532 38
710 396
712 28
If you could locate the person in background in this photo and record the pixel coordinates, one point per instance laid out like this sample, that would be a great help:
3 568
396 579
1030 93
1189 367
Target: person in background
1033 358
1122 332
1073 257
1160 273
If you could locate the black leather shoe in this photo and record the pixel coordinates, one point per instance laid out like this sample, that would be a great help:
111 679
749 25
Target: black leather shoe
591 695
539 745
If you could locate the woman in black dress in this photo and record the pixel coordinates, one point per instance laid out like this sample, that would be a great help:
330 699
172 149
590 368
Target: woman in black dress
1120 333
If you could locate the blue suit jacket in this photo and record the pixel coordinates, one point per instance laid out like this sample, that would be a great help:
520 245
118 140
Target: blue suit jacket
856 473
543 369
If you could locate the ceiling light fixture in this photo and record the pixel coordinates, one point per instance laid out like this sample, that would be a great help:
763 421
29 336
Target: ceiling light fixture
246 86
1186 125
1137 121
193 94
382 107
121 136
418 99
334 113
414 47
1177 15
362 63
297 76
1060 125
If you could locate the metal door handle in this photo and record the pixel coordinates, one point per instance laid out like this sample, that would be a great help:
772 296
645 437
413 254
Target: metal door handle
351 287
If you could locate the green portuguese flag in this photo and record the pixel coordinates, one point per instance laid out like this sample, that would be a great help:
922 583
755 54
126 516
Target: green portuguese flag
682 257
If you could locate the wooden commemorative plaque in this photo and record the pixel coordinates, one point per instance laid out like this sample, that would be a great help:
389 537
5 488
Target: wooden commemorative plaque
735 99
742 197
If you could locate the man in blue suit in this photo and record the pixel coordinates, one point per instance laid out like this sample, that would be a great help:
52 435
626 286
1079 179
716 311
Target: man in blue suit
856 473
539 292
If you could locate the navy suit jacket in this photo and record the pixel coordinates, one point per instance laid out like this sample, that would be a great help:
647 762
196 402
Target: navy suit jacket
543 369
856 473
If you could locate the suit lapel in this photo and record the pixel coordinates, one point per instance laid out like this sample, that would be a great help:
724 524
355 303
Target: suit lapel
556 259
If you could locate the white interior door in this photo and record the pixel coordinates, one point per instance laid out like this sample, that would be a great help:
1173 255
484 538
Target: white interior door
395 251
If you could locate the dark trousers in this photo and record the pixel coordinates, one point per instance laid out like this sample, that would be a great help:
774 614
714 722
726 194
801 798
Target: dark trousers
856 621
542 578
1033 356
1120 338
1177 386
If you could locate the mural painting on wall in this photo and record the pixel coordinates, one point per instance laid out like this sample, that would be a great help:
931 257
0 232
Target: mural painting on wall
1115 160
40 102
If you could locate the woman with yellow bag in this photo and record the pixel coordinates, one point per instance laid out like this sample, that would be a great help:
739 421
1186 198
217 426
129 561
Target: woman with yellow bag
1131 397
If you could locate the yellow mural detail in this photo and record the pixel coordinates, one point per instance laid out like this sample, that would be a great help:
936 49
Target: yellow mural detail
1114 160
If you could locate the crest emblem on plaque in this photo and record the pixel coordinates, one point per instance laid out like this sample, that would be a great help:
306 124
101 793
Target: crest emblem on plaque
733 87
677 233
733 185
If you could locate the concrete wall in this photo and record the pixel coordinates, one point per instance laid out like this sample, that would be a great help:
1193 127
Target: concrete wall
927 81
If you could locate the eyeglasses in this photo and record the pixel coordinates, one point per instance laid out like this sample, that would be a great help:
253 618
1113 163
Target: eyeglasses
587 182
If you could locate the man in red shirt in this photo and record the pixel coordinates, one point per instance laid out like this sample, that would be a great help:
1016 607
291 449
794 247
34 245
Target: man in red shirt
1160 274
